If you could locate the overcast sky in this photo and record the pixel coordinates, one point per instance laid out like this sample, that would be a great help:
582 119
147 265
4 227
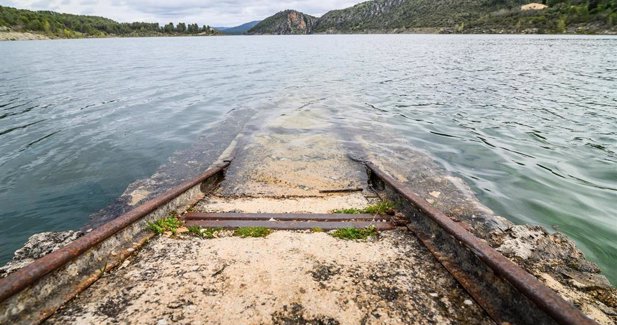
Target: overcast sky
211 12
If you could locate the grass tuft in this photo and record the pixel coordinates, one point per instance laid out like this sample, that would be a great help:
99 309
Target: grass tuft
316 229
355 233
349 211
171 223
204 232
381 208
252 232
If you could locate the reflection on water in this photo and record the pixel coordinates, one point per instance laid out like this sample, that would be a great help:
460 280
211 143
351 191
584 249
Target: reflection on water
528 121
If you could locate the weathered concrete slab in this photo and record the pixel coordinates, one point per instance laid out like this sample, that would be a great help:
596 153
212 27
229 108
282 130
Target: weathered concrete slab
285 277
323 204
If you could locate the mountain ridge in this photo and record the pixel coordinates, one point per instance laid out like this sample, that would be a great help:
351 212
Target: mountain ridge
375 16
238 30
457 16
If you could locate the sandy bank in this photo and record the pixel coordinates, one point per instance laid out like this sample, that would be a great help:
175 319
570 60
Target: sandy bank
19 36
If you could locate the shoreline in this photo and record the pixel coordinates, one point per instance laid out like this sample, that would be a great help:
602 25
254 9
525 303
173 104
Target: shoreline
22 36
29 36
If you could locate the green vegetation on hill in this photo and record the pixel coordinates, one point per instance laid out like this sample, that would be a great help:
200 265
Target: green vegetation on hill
562 16
478 16
376 16
61 25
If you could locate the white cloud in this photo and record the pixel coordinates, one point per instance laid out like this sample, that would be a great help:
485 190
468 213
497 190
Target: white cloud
212 12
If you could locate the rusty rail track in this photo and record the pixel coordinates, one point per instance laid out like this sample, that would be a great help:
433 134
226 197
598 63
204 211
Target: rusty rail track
36 291
507 293
503 289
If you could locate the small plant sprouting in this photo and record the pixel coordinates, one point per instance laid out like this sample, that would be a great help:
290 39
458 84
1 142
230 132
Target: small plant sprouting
195 230
103 269
170 223
252 232
349 211
204 232
316 229
381 208
355 233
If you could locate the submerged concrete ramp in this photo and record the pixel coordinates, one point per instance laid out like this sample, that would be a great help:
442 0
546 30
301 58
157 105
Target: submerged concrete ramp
282 174
434 270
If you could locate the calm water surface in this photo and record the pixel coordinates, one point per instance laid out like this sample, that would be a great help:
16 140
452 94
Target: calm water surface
529 122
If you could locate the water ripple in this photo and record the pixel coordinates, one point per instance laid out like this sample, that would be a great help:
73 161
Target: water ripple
528 121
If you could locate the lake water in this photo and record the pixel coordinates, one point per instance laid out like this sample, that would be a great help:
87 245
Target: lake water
529 122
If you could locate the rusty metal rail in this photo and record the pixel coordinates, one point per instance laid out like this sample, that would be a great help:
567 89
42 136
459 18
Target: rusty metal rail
290 225
282 216
286 221
34 292
505 291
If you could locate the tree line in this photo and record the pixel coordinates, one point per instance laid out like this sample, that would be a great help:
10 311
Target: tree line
70 26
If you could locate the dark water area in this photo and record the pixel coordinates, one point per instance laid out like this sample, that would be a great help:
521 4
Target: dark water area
529 122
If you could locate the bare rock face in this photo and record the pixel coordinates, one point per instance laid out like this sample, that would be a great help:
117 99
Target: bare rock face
38 245
284 23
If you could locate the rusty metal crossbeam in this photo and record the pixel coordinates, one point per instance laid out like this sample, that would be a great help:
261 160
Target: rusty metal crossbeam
287 224
282 216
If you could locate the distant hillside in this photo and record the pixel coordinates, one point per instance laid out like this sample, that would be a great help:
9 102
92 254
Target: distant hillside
479 16
54 24
401 15
238 30
285 22
451 16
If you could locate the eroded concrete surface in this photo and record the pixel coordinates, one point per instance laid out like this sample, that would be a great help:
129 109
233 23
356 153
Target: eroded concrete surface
286 278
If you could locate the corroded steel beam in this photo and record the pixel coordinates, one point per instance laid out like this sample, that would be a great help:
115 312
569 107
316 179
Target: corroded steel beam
289 225
507 292
281 216
34 292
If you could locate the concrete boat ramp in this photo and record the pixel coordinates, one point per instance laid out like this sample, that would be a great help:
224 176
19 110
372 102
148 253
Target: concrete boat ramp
433 260
288 277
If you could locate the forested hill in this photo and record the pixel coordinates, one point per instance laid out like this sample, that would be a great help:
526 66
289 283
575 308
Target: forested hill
376 16
475 16
61 25
452 16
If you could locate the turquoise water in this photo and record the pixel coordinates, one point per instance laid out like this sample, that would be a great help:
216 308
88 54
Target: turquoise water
530 122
